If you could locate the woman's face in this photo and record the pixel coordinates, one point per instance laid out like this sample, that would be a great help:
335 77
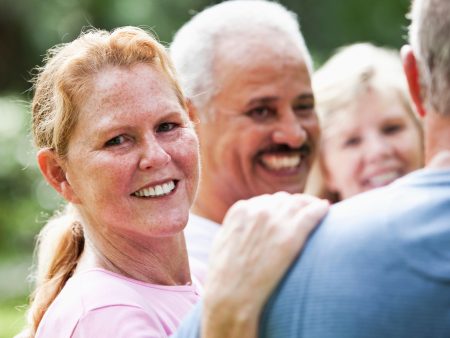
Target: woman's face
370 144
133 157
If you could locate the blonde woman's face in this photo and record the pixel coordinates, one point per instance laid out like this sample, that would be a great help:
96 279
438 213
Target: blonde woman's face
133 158
370 144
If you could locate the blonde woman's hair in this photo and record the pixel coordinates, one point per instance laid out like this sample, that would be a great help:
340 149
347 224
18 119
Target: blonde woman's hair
342 79
61 86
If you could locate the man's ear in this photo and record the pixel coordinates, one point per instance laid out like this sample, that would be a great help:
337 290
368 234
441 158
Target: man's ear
193 115
412 75
192 112
54 173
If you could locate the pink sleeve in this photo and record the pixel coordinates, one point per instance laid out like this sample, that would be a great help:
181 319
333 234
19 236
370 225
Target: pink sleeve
119 321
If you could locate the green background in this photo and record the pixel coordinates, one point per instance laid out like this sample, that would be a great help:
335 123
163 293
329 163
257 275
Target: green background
29 27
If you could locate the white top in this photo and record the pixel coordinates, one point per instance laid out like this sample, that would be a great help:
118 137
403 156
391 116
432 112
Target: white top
200 233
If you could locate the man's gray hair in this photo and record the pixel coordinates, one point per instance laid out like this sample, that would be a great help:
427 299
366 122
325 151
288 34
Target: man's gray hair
429 36
193 47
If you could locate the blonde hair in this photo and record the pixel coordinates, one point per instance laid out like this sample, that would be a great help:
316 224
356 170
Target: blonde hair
342 79
60 88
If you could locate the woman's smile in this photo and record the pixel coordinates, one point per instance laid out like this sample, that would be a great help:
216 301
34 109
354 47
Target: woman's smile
157 190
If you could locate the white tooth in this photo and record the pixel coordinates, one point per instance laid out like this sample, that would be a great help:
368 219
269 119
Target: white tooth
158 190
278 162
383 179
166 188
146 192
151 192
171 185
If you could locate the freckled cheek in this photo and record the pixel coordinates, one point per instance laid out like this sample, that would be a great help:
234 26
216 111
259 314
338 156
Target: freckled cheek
113 176
186 154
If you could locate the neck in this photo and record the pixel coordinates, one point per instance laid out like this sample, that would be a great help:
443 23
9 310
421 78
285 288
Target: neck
437 141
161 261
209 204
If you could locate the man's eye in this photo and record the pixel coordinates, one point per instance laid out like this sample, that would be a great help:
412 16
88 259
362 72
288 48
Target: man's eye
303 110
166 127
260 113
115 141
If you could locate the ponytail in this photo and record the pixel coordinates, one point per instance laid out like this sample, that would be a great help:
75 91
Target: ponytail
59 246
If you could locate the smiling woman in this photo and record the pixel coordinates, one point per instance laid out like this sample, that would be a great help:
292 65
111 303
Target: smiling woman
117 142
111 124
370 134
127 126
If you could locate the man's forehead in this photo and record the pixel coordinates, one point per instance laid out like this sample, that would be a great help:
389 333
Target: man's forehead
241 47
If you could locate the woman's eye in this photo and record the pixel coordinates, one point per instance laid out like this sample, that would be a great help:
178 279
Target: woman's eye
115 141
392 129
352 141
166 127
260 113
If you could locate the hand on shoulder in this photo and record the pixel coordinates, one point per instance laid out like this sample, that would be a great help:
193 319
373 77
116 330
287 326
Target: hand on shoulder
259 239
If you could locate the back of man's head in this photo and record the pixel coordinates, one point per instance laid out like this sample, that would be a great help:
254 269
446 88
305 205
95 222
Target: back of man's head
195 45
430 39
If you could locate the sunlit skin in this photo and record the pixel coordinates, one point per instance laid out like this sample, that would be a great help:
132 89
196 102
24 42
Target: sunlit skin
370 144
133 133
264 131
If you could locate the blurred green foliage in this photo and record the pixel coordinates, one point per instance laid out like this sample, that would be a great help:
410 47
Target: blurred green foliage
24 197
12 317
29 27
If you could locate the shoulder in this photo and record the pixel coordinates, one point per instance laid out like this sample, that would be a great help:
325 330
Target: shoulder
414 196
89 292
360 259
119 321
407 220
97 297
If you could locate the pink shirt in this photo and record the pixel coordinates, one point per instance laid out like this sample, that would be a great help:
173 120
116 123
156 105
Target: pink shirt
99 303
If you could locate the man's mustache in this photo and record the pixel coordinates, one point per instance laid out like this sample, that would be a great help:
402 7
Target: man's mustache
305 149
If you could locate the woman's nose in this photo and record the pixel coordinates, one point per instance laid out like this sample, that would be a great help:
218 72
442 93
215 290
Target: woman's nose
153 156
377 148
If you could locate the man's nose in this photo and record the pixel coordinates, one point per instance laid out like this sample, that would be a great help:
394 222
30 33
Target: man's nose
289 130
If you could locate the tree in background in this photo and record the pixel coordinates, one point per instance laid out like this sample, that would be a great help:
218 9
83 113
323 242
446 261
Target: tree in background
29 27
